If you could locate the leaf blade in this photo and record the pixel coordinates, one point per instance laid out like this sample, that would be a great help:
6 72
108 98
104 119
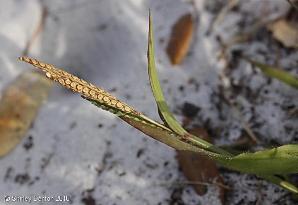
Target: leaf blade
164 110
158 132
279 160
277 73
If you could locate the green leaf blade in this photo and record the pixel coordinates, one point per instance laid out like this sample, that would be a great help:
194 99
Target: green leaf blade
277 73
280 160
164 110
282 183
154 130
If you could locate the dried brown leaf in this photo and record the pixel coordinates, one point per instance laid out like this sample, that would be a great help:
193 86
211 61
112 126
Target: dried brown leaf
180 39
199 168
18 108
285 31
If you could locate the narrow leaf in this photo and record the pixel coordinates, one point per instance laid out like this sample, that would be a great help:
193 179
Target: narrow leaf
280 182
276 73
280 160
164 110
159 132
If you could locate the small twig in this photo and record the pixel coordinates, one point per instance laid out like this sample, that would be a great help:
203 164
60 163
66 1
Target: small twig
245 125
221 15
293 112
244 36
282 198
193 183
293 3
37 31
196 21
250 133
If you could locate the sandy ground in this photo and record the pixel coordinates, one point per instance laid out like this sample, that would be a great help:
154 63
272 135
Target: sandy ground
92 157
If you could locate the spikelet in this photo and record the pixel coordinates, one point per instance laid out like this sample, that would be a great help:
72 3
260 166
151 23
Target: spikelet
78 85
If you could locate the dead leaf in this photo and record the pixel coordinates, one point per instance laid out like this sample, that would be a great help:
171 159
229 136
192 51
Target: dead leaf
180 39
199 168
285 30
18 108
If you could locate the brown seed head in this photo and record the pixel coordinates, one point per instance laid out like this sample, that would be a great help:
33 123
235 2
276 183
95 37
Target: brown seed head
78 85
